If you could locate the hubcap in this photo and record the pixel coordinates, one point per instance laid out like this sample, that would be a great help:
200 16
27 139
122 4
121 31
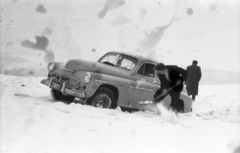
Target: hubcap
102 101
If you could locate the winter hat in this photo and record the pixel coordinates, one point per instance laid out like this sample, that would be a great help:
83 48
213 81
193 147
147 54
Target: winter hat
160 66
195 62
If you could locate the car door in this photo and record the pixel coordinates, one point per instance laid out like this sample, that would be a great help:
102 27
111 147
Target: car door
146 84
125 86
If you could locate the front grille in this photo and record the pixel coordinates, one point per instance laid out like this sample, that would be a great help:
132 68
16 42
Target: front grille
57 79
60 80
67 77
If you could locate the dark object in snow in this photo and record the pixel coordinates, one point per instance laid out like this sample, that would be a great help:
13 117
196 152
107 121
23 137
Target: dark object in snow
93 50
40 9
22 95
189 11
213 7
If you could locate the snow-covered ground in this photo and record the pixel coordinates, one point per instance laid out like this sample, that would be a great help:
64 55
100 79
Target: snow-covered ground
33 33
31 121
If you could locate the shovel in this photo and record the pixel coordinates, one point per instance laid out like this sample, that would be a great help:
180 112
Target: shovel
155 99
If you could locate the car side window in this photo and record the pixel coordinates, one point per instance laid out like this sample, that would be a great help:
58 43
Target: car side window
147 69
127 64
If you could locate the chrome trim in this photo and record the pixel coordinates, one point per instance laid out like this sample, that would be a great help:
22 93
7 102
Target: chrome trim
89 77
144 89
114 83
55 85
52 68
68 70
50 82
126 86
63 87
101 81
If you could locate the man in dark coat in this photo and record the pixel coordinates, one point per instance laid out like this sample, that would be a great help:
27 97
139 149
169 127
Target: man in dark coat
171 76
194 76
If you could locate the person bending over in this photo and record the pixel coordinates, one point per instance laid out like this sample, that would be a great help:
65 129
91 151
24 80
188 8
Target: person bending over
170 77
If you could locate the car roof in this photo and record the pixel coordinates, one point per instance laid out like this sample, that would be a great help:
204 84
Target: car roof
139 57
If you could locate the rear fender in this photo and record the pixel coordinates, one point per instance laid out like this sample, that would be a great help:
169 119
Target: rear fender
187 102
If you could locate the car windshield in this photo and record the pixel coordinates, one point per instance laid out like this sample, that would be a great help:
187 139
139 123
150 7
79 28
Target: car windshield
119 60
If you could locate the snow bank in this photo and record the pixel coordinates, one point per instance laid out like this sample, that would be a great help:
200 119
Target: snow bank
33 122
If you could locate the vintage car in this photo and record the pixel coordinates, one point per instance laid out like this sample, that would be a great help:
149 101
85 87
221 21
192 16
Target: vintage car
116 79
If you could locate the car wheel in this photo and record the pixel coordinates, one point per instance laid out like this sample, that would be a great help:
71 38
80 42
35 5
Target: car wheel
57 95
103 98
129 110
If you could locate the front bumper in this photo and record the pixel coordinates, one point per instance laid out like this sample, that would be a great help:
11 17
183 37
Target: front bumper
63 89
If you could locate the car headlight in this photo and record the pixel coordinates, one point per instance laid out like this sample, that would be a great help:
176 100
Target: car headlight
86 77
50 67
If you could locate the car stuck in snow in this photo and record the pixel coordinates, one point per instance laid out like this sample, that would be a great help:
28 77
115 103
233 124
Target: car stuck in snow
116 79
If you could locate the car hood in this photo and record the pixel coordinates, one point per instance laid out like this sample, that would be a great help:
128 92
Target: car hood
84 65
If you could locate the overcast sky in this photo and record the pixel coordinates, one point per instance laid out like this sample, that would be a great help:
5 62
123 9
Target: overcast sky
172 31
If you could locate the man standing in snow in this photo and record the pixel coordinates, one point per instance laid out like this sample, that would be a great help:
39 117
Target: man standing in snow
194 76
171 77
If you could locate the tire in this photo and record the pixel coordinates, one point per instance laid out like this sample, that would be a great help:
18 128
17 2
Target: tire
57 95
103 98
129 110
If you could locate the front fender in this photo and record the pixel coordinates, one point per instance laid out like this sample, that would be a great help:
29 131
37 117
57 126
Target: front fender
97 79
121 84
